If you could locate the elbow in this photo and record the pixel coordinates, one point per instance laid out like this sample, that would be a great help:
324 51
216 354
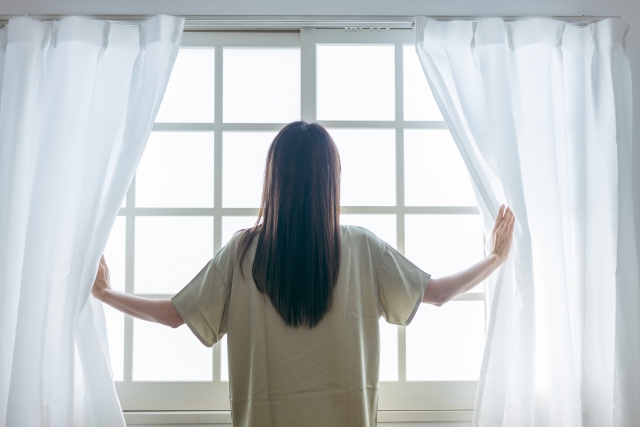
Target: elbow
170 315
440 301
175 322
172 321
444 298
437 294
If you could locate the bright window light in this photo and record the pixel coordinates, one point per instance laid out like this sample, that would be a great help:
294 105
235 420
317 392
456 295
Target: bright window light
419 103
445 343
444 244
190 92
434 172
261 85
165 354
170 251
176 171
244 156
368 164
355 82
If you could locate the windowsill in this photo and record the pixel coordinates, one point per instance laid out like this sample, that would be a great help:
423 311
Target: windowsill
224 417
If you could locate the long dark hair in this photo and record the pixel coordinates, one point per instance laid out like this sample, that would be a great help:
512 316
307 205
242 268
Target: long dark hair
298 228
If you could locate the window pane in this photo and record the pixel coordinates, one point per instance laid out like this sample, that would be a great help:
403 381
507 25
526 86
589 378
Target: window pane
231 224
261 85
419 103
244 157
383 226
368 166
435 174
224 360
176 170
115 333
114 253
446 343
388 351
190 94
444 244
165 354
170 251
355 82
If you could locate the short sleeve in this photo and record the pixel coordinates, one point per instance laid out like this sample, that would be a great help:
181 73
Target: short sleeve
401 287
204 303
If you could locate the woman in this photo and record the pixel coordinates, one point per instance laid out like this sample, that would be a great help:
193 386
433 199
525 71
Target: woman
299 296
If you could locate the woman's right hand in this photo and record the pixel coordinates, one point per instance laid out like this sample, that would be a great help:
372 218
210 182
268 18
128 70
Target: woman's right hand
103 280
502 234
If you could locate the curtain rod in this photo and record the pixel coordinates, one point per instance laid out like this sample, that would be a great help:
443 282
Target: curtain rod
340 22
292 22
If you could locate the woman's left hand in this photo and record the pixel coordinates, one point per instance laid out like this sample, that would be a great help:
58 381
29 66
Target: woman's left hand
103 281
502 234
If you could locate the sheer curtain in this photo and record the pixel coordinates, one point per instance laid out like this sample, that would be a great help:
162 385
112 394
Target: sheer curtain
78 100
541 112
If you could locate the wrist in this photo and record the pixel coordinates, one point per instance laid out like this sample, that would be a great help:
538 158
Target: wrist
102 294
495 260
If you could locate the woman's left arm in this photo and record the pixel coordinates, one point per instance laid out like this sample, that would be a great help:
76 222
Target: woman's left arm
444 289
152 310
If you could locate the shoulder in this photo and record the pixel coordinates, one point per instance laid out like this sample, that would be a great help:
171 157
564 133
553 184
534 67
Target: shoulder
235 240
356 236
229 252
359 233
355 231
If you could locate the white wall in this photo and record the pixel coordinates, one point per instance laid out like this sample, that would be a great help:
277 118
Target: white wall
324 7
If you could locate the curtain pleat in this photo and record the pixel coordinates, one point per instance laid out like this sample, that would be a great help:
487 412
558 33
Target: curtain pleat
78 100
540 110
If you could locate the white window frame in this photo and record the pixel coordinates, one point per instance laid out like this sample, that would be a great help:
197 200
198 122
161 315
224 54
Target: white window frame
402 395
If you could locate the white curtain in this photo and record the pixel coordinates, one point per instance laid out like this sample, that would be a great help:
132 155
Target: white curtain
77 103
540 110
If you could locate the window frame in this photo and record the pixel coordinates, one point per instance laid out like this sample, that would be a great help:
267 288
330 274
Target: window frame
402 395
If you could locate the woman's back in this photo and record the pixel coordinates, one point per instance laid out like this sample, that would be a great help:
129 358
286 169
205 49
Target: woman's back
322 376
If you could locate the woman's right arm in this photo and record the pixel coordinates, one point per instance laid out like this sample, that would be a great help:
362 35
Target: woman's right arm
153 310
444 289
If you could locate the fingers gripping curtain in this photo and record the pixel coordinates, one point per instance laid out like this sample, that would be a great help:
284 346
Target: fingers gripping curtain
78 100
541 113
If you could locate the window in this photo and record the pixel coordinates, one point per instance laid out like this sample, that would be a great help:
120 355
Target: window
200 180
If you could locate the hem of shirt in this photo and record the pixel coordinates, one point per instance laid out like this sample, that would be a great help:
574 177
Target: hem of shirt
188 322
420 298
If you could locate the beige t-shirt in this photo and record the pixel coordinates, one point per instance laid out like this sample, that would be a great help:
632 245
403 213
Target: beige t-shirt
282 376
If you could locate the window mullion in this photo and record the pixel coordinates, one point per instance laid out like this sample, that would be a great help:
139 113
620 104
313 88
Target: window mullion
308 74
217 152
399 146
400 229
217 181
130 235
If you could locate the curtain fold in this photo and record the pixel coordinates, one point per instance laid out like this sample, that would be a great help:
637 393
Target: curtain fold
77 103
540 110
